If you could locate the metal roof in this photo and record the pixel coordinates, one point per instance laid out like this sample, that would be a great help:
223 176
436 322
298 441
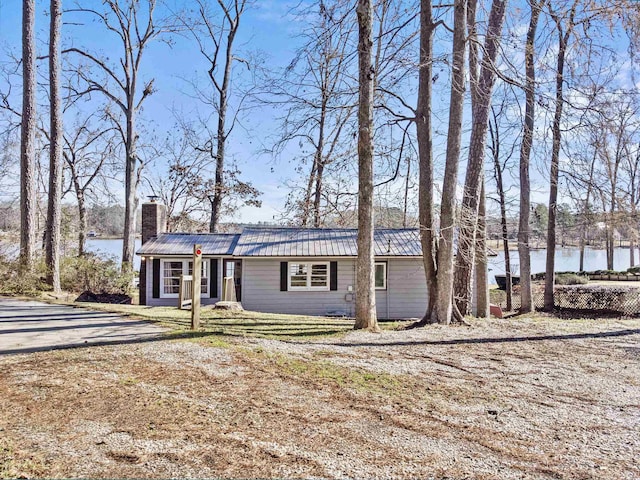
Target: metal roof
321 242
182 244
286 242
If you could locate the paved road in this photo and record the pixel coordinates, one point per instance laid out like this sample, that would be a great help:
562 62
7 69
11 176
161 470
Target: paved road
29 326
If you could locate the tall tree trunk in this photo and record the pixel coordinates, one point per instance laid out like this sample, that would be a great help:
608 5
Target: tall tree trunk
443 308
610 246
365 287
28 133
481 271
130 197
406 194
218 192
481 103
82 227
317 218
524 252
612 225
319 160
55 151
221 138
306 206
555 167
425 154
497 168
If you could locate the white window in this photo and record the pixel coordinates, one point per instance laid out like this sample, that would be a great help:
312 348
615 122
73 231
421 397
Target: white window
308 276
171 271
381 276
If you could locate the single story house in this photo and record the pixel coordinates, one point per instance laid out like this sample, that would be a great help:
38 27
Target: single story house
283 270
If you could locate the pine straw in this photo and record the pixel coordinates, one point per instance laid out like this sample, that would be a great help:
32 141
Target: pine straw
540 398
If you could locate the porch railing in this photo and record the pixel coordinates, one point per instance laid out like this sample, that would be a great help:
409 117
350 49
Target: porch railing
229 290
185 292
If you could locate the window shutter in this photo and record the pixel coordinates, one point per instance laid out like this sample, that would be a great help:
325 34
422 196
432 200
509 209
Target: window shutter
284 266
213 287
156 278
333 276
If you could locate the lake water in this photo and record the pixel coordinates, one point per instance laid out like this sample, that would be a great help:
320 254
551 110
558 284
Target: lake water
112 248
567 259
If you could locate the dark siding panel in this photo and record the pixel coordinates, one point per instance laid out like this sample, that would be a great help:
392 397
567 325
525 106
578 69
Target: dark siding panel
333 276
284 266
214 278
156 278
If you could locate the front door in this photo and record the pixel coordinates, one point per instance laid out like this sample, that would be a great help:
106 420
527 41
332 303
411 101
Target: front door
233 269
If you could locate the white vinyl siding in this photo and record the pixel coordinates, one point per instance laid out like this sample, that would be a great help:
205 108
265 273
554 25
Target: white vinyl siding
406 288
405 296
261 289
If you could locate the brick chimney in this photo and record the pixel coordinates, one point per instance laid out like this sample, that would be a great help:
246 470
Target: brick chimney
154 222
154 219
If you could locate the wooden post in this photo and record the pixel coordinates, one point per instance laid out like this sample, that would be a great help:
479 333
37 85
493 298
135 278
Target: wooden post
196 287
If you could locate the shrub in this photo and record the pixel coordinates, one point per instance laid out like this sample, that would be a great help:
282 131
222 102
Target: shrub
570 279
92 273
633 269
15 282
77 274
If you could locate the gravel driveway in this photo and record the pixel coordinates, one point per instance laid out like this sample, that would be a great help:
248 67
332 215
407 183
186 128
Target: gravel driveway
29 326
531 399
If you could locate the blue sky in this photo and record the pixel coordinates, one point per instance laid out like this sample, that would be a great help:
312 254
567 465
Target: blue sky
268 30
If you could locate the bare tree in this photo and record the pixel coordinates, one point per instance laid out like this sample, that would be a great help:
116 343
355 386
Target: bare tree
184 187
90 151
52 235
565 25
443 310
425 152
500 161
318 100
631 167
134 29
481 103
481 264
27 147
214 29
615 134
526 300
365 287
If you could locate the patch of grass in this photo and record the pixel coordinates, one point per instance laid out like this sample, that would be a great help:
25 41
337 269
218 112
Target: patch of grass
224 322
19 464
215 341
329 373
394 324
129 381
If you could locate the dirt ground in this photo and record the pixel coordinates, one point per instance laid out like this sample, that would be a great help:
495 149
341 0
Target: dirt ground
502 399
